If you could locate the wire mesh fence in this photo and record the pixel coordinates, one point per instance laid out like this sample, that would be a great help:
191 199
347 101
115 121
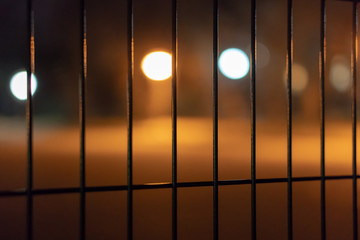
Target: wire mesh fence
174 185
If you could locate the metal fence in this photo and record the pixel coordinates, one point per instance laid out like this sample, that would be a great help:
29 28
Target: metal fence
174 185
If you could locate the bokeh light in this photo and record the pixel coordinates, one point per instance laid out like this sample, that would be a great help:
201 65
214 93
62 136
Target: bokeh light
157 65
300 78
18 85
234 63
340 74
262 54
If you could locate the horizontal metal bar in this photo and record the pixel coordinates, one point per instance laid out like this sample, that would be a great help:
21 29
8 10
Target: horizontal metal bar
166 185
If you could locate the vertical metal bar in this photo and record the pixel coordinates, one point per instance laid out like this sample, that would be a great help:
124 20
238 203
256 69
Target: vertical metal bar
253 118
130 46
174 42
289 122
322 115
354 117
29 117
215 119
83 77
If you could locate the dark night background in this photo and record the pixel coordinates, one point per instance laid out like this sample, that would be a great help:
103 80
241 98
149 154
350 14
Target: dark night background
58 63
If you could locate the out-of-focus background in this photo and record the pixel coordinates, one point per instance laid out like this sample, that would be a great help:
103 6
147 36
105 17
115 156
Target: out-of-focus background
56 129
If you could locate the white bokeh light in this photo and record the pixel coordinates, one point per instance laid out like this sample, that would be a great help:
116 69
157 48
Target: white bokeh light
157 65
234 63
262 55
340 73
300 78
18 85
